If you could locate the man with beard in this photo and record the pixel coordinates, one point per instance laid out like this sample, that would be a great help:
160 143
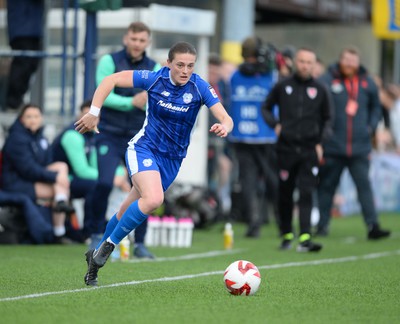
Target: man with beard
357 113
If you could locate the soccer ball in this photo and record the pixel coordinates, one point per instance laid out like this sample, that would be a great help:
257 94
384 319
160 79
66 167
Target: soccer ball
242 278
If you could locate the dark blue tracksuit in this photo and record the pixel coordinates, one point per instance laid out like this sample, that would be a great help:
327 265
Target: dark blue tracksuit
116 129
350 144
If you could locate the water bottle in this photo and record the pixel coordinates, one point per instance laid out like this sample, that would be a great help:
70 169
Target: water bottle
173 232
115 255
189 226
228 236
124 249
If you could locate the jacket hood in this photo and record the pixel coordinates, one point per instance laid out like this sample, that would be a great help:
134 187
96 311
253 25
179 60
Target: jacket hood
21 129
335 71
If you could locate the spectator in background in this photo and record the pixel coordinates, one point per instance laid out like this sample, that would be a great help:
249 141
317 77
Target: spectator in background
121 118
78 151
285 61
25 31
303 121
357 113
219 162
27 168
252 139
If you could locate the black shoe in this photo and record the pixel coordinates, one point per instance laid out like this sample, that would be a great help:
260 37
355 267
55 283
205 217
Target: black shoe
308 246
286 245
64 240
63 207
253 231
93 269
376 233
101 255
322 231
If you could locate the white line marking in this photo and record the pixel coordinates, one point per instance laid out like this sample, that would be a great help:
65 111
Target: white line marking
211 273
188 256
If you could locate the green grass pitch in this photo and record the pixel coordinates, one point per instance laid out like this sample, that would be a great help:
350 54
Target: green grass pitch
351 280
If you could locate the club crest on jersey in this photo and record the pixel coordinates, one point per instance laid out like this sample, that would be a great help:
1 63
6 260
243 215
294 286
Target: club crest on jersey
289 89
187 98
213 92
312 92
147 162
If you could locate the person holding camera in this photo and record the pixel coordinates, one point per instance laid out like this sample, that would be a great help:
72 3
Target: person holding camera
252 139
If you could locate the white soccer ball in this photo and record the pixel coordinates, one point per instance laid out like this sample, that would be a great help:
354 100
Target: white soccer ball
242 278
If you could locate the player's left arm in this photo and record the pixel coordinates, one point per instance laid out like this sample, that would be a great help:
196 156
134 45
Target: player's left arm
225 124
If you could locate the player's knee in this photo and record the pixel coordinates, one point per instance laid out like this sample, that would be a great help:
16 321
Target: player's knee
155 201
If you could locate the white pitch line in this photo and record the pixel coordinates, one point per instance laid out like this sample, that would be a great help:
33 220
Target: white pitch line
209 254
211 273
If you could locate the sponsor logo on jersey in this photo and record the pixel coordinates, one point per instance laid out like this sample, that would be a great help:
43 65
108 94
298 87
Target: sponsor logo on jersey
165 93
187 98
170 106
312 92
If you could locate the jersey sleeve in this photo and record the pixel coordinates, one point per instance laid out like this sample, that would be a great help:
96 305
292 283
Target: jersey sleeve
208 93
143 79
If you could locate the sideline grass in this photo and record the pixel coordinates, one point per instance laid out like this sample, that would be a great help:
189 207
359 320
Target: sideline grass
358 291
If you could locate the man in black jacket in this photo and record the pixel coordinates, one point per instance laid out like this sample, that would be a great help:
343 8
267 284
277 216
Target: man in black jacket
357 113
304 119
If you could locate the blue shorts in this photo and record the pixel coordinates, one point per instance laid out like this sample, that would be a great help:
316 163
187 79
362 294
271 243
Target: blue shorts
138 159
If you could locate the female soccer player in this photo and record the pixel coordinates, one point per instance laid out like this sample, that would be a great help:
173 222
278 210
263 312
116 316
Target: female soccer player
155 154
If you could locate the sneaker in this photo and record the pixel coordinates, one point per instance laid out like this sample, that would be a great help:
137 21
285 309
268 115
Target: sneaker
140 251
308 246
93 269
286 245
287 241
322 231
101 255
64 240
63 207
376 233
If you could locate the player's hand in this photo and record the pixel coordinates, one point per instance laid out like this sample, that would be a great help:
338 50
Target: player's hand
278 129
219 130
87 123
140 100
320 152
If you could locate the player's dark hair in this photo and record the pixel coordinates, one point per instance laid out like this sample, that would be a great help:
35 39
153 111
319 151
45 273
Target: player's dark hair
138 27
181 48
26 106
85 104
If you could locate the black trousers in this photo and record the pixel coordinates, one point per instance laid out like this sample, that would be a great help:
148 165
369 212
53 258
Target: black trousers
257 170
297 170
21 70
331 171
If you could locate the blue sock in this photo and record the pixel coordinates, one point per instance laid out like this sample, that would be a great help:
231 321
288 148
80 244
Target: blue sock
109 229
131 219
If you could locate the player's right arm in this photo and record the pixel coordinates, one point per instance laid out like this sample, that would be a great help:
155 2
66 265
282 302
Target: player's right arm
88 122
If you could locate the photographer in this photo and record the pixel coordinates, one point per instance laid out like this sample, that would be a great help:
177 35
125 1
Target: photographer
252 139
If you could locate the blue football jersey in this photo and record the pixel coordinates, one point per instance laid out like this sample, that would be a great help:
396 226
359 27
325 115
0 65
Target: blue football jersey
172 111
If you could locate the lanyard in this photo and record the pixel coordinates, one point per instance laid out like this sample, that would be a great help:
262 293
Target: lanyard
352 87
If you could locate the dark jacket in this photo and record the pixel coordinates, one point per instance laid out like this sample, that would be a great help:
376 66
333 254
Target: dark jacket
352 134
25 157
305 110
25 18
